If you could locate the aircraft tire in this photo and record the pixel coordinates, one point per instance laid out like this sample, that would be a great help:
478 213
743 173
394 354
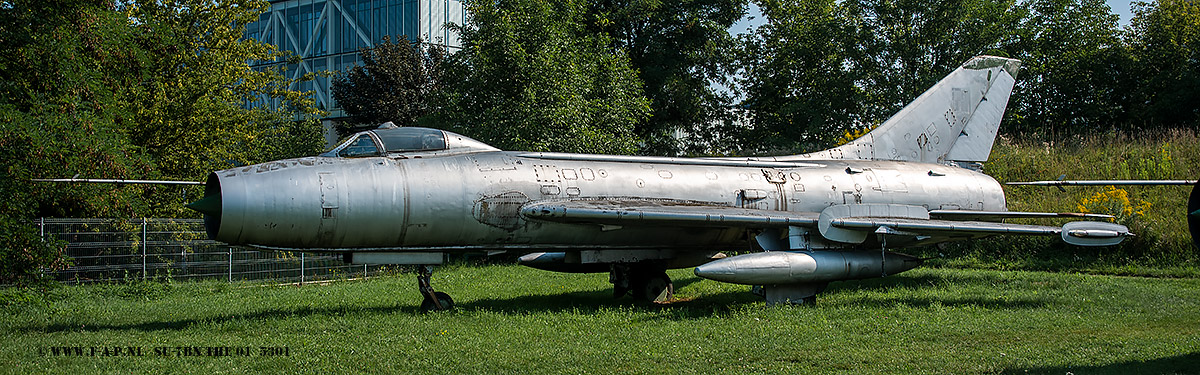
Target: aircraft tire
651 288
444 299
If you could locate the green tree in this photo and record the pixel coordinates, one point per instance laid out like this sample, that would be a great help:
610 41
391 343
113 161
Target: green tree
60 114
1164 41
679 49
530 77
909 45
820 68
395 83
194 84
143 89
1073 76
799 79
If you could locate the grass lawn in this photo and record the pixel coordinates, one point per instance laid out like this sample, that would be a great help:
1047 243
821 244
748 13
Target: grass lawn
512 319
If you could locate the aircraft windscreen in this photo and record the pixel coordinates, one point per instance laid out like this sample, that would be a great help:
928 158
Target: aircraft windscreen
362 146
411 139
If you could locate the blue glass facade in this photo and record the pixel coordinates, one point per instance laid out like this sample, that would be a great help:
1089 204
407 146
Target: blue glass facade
327 34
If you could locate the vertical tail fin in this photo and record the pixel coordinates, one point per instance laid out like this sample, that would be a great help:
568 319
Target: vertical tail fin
955 120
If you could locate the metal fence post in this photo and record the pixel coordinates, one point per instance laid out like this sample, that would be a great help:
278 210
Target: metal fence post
143 248
42 235
230 264
301 268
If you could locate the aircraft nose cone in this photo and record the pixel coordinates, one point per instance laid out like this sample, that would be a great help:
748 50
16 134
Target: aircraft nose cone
209 205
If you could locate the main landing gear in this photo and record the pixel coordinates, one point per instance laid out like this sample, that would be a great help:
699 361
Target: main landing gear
647 282
434 301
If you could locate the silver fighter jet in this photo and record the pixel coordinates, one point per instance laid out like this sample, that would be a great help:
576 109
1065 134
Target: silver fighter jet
413 195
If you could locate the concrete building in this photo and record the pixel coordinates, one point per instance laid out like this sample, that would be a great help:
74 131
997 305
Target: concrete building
327 34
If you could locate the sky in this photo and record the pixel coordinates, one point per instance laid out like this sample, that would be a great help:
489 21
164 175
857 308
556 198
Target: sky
755 18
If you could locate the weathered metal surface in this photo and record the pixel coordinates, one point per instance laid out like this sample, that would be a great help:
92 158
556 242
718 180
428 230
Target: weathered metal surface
661 213
787 267
831 217
386 202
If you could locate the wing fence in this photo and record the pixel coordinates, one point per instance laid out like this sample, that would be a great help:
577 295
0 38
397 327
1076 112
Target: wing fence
105 250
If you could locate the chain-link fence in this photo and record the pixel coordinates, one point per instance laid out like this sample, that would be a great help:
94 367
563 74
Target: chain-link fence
103 250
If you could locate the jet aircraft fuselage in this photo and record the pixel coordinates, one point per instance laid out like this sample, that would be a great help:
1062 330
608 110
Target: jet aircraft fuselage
473 199
411 195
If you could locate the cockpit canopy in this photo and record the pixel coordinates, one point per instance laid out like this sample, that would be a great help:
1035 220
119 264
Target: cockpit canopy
406 140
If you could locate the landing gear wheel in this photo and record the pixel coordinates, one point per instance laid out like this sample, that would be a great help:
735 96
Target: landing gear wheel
654 288
433 301
443 300
647 281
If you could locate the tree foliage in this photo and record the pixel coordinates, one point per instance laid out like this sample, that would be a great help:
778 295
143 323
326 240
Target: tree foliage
819 68
395 83
909 45
1072 74
678 49
139 89
796 75
194 83
1164 42
530 77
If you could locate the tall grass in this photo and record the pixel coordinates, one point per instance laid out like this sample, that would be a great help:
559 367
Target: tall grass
1156 214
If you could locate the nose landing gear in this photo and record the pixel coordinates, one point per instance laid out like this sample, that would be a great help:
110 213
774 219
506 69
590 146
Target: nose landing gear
433 301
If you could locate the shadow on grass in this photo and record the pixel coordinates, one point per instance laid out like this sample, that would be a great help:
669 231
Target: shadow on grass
182 324
707 305
1181 364
587 302
918 294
